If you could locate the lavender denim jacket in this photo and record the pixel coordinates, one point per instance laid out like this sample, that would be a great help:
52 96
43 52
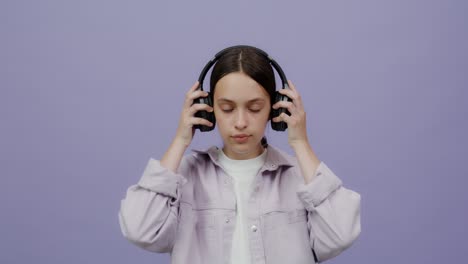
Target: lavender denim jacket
192 213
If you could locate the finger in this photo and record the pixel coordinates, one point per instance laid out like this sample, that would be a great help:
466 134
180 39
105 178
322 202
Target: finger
284 104
190 91
292 108
293 95
291 86
194 87
200 121
196 94
288 92
282 117
298 99
198 107
192 96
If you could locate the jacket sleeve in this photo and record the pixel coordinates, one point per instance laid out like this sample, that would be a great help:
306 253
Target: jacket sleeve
148 215
333 213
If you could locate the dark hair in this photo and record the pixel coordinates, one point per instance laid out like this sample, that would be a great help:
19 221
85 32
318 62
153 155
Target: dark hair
250 62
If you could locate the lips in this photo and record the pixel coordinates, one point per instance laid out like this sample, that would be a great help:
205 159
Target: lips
241 138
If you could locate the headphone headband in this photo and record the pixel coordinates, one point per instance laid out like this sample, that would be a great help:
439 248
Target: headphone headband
278 126
218 55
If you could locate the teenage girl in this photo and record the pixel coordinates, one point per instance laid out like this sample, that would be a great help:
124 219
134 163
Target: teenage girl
247 201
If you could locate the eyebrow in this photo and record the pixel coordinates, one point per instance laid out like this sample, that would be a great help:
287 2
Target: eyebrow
222 100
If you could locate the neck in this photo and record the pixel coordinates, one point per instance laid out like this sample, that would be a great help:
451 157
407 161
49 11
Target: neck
243 155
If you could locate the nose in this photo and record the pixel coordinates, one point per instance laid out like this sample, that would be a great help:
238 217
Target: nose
241 120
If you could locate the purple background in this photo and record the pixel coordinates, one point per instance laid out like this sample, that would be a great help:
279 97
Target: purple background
90 90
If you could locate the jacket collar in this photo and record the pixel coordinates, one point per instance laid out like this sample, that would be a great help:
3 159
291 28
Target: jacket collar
275 158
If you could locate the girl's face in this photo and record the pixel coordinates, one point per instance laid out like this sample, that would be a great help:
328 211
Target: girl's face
242 109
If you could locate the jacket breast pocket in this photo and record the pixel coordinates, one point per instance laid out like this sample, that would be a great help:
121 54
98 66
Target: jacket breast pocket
299 215
283 220
205 227
205 220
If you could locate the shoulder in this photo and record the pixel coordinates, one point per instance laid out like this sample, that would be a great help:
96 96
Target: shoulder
279 157
198 159
287 163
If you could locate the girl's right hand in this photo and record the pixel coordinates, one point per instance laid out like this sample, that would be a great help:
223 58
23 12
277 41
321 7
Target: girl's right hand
185 130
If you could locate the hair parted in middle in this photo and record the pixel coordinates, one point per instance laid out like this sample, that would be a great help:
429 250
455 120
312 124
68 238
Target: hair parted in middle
250 62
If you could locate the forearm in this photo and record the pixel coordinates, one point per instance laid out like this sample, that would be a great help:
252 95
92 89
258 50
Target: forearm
148 213
173 156
334 213
146 219
308 160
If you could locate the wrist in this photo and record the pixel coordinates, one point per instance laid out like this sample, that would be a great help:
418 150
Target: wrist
297 145
173 155
308 160
179 144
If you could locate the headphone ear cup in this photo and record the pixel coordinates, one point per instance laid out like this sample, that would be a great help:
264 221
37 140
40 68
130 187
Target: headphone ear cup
279 126
205 114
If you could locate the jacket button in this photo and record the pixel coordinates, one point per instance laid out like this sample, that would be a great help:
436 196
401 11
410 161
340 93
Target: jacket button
227 220
254 228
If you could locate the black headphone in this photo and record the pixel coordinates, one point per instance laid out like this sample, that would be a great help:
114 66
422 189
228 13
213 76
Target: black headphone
278 126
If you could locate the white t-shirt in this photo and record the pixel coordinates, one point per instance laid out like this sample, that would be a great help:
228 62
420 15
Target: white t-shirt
243 173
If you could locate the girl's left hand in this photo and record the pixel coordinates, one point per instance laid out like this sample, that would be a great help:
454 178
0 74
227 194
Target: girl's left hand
297 128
